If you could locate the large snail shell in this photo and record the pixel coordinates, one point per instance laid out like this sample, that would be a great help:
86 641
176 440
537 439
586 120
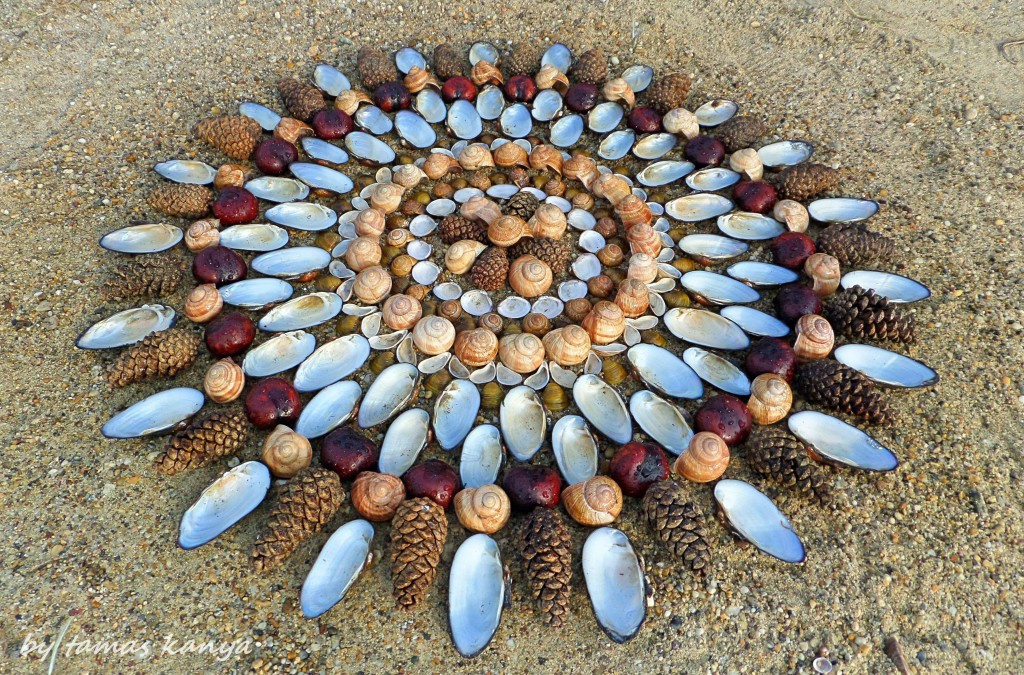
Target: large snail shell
387 197
681 121
461 255
604 323
433 335
511 154
549 77
581 168
507 230
546 158
370 223
224 381
536 323
376 496
770 399
476 347
632 211
408 175
363 252
705 459
203 303
748 163
401 312
481 208
350 100
286 452
372 285
824 270
567 346
596 501
202 234
620 91
633 298
529 277
643 239
438 164
483 509
522 352
793 214
643 268
814 337
611 187
548 221
476 156
418 79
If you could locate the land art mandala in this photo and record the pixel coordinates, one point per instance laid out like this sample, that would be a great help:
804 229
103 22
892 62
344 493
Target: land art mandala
555 276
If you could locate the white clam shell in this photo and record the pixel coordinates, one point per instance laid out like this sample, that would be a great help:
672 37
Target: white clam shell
320 149
341 561
449 290
842 210
372 119
717 371
549 306
254 237
431 106
662 370
761 273
302 216
697 207
514 307
712 179
256 293
154 414
704 328
715 112
638 77
329 409
278 354
226 501
718 289
322 177
331 362
388 394
661 420
572 289
463 120
330 79
277 189
291 262
405 439
586 266
483 51
566 131
490 102
414 130
615 582
546 105
886 367
603 407
516 121
655 146
712 246
755 322
302 312
476 302
481 456
575 448
617 144
127 327
604 117
841 443
476 594
559 56
144 238
455 412
756 518
896 288
186 171
365 146
523 422
267 118
408 58
785 153
664 172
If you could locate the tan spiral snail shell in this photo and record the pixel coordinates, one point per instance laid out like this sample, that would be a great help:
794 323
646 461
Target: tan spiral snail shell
372 285
633 211
619 90
681 121
286 452
408 175
476 347
481 208
747 163
611 187
549 77
705 460
476 156
546 158
202 234
793 214
461 255
370 223
605 323
203 303
522 352
642 267
814 337
437 165
363 252
529 277
567 346
593 502
511 154
548 221
633 298
581 168
224 381
401 312
418 79
770 399
376 496
483 509
433 335
643 239
823 269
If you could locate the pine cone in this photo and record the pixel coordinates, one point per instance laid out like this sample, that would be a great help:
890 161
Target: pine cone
234 135
552 252
187 201
679 523
804 181
448 63
860 313
418 532
854 245
375 67
145 276
668 92
303 100
162 354
455 228
522 204
200 443
591 67
547 556
831 384
307 503
522 59
781 457
741 132
491 269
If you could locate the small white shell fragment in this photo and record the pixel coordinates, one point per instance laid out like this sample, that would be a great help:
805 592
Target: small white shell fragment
603 407
267 118
435 363
425 272
572 289
549 306
514 307
716 112
476 302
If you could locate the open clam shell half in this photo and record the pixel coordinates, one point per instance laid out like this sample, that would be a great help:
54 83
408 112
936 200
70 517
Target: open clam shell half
523 422
616 584
226 501
885 367
603 407
341 561
330 408
837 442
388 394
477 594
154 414
455 412
575 449
755 518
481 456
127 327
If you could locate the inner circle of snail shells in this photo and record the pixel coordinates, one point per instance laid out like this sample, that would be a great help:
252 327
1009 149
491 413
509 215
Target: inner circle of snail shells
437 165
476 347
705 460
814 337
511 154
632 211
491 321
481 208
824 271
643 239
619 90
387 197
408 176
286 452
748 163
611 187
770 399
401 312
461 255
548 221
376 496
372 285
203 303
633 298
399 237
793 214
202 234
522 352
433 335
224 381
605 323
581 168
507 230
681 121
567 346
483 509
642 267
476 156
593 502
546 158
370 223
529 277
363 252
536 323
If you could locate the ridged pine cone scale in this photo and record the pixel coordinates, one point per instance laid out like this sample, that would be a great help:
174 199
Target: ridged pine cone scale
418 533
186 201
306 504
455 228
522 204
200 443
804 181
590 67
678 523
234 135
843 389
862 314
375 68
552 252
854 245
162 354
741 132
779 456
668 92
145 276
490 271
302 100
547 556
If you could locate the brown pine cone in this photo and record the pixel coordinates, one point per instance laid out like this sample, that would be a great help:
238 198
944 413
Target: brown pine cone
187 201
303 100
552 252
522 204
200 443
307 503
854 245
162 354
741 132
455 228
490 271
547 556
781 457
679 523
448 63
590 67
862 314
375 67
418 532
145 276
831 384
522 59
234 135
804 181
668 92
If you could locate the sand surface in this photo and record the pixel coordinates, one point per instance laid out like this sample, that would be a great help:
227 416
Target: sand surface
913 99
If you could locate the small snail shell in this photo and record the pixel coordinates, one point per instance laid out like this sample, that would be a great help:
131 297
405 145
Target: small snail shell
554 397
399 237
491 321
511 154
596 501
376 496
229 175
484 73
481 208
824 270
546 158
224 381
613 372
529 277
577 308
476 156
372 285
604 323
747 163
567 346
633 298
814 337
408 176
643 239
286 452
611 187
507 230
522 352
203 303
437 165
418 79
370 223
401 312
483 509
643 268
291 130
681 121
770 399
450 309
433 335
363 252
202 234
619 90
793 214
607 228
476 347
548 221
704 460
491 395
387 197
536 324
600 286
402 265
549 77
461 255
633 211
350 100
581 168
611 255
583 201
